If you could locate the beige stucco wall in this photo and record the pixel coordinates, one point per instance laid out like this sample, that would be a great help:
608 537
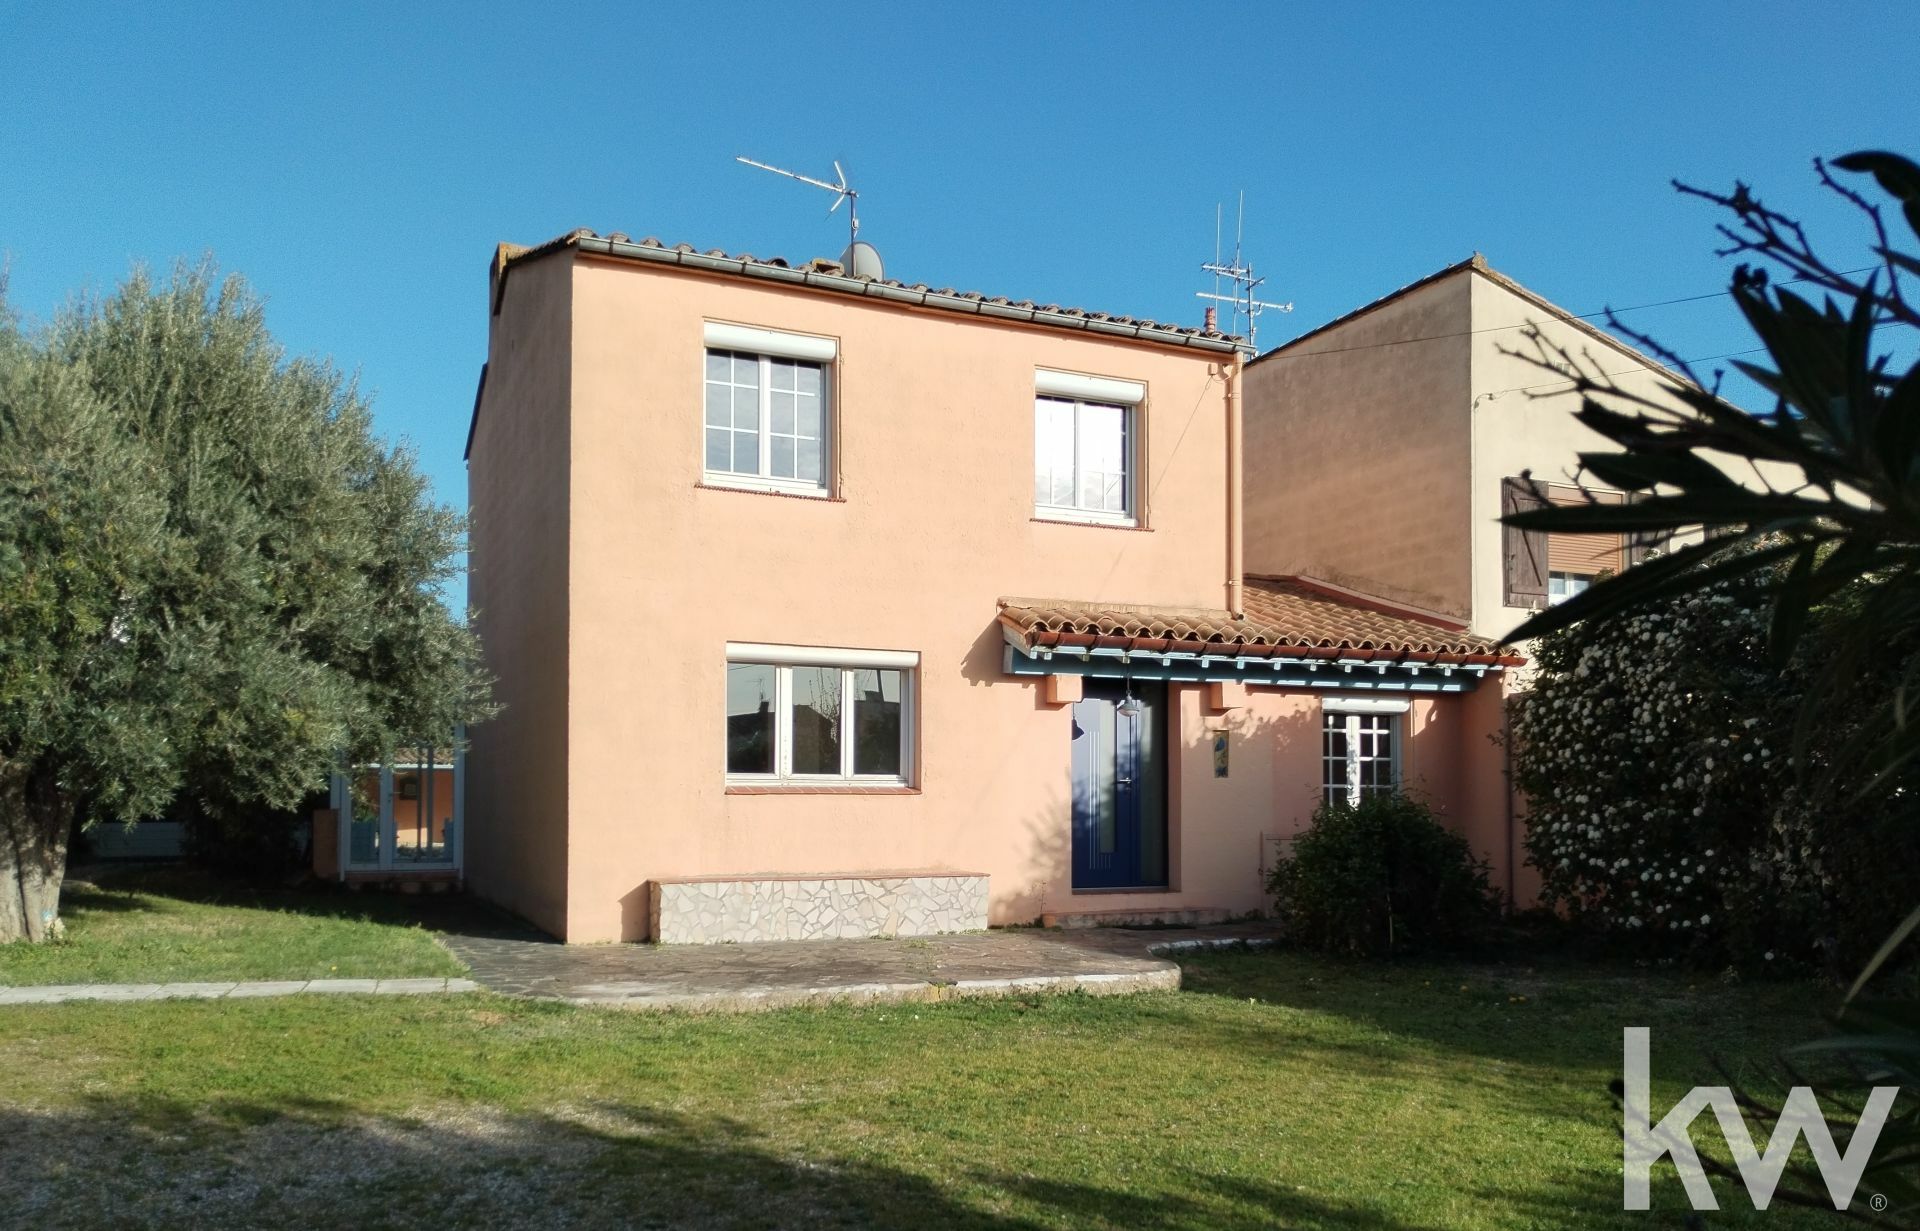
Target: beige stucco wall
1357 456
518 479
1523 418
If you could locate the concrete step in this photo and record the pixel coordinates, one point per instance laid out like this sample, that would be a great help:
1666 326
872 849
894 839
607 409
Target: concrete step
1188 916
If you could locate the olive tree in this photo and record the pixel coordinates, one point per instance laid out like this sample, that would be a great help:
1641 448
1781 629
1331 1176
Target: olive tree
215 580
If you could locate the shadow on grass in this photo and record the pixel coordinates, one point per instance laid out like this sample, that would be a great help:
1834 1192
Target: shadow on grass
1551 1032
111 889
317 1164
1552 1011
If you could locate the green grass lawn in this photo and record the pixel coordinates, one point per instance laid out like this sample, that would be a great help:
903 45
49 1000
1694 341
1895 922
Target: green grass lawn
171 923
1275 1090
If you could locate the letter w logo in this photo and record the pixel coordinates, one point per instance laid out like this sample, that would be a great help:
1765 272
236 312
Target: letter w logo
1646 1141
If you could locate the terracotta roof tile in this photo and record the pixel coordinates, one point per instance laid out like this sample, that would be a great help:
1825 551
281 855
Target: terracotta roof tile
1290 615
510 254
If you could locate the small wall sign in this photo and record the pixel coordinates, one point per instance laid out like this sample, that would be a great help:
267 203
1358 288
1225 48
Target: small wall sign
1219 754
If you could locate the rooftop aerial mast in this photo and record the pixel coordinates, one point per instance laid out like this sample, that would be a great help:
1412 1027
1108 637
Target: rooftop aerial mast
1239 273
846 194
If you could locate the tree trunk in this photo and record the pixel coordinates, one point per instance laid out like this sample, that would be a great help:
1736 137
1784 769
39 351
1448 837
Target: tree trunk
34 819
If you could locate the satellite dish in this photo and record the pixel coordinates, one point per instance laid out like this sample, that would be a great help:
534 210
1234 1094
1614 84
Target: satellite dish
862 260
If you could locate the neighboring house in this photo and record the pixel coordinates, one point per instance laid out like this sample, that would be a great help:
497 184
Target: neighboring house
826 605
397 823
1383 446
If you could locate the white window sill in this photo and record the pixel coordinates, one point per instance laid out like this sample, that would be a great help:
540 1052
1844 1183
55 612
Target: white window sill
1072 517
820 786
778 487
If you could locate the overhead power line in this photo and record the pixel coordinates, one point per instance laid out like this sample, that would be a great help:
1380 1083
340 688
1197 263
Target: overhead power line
1490 394
1572 316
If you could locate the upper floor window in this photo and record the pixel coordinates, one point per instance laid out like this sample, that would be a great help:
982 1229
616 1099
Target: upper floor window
768 409
812 716
1541 568
1086 448
1563 586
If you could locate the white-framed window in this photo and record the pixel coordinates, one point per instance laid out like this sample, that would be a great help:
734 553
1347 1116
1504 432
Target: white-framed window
1563 586
1360 748
1086 448
768 410
812 716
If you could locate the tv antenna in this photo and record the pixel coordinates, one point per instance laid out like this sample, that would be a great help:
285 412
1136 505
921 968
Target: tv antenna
845 193
1240 273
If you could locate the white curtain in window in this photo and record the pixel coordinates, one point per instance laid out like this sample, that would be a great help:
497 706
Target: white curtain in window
1053 453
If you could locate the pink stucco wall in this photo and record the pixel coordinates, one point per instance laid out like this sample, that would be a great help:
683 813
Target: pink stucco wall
935 520
518 482
613 773
1449 757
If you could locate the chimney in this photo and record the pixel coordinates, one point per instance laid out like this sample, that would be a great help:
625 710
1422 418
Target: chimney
1213 321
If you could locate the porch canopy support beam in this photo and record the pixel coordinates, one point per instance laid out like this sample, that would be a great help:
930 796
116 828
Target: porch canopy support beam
1271 671
1296 633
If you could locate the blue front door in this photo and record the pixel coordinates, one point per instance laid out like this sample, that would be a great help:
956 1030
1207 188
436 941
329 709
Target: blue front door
1119 788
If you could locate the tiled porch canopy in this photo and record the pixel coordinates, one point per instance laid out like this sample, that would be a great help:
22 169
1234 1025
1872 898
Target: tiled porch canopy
1296 633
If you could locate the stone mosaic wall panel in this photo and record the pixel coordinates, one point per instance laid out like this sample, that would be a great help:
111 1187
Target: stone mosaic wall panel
828 908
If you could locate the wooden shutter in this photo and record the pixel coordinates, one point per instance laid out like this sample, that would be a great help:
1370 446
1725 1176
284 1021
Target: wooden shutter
1524 552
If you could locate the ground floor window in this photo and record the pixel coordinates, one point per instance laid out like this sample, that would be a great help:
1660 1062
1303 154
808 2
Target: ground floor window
1360 750
810 715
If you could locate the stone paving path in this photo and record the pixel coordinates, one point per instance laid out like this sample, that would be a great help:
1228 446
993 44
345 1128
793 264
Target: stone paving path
774 974
767 975
60 993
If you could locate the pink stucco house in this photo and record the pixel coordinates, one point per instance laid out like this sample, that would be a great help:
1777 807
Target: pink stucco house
827 605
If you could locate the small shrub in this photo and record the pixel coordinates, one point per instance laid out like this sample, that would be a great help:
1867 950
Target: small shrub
1382 878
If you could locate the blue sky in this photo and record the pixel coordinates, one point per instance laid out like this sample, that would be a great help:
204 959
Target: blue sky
357 162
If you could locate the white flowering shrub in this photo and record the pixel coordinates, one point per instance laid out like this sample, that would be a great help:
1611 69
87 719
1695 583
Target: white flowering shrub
1665 808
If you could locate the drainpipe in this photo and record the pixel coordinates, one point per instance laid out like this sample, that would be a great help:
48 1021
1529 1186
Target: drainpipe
1506 780
1236 511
